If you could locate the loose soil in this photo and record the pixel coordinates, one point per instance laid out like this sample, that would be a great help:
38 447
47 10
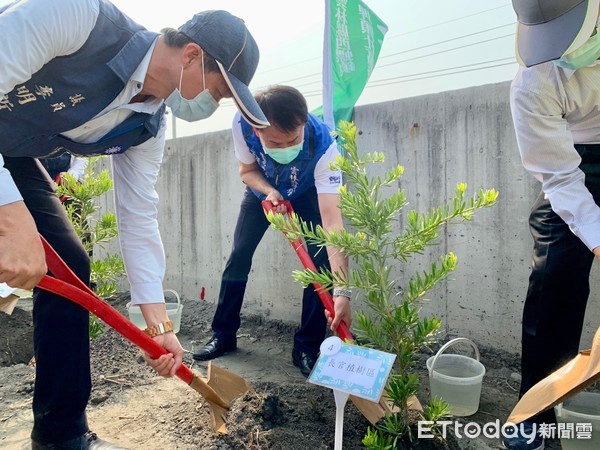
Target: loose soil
137 409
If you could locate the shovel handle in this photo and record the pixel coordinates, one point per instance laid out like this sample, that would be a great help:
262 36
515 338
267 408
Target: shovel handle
69 286
58 181
107 313
307 262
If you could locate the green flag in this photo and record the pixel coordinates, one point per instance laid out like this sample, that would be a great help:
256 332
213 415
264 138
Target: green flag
353 38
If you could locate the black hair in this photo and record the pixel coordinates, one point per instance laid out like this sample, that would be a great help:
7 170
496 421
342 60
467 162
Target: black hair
176 39
284 106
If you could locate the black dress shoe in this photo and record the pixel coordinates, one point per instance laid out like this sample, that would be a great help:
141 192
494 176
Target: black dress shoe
305 361
95 443
216 347
89 441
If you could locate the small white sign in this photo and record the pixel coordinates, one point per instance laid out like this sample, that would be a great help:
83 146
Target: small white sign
359 371
6 290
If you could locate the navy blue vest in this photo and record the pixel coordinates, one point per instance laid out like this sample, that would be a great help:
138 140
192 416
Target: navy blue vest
70 90
295 178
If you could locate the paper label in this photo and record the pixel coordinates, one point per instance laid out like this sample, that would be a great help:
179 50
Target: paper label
359 371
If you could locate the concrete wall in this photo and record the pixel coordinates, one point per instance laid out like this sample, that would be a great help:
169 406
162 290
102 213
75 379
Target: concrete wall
441 140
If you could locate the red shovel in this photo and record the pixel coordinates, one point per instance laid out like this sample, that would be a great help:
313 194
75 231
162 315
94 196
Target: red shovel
58 181
220 387
307 262
371 410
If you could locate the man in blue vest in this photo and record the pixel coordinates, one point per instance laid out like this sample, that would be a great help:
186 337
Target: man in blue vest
90 81
288 160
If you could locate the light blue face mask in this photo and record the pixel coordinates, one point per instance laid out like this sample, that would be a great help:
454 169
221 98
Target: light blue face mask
200 107
585 55
284 155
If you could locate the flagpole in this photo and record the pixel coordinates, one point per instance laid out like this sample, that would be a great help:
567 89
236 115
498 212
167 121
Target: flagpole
328 117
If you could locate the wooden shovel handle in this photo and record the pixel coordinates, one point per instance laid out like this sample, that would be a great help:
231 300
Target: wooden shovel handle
307 262
66 284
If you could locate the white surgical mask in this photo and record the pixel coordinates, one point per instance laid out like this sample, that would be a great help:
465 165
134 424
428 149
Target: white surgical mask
200 107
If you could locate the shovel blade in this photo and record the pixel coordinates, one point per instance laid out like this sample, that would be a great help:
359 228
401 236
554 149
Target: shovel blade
7 304
217 415
374 412
219 389
560 385
226 384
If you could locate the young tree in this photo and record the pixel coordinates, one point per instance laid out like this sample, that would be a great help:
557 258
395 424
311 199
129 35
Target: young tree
81 202
392 320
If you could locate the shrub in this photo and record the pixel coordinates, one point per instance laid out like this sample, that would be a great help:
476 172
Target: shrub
81 203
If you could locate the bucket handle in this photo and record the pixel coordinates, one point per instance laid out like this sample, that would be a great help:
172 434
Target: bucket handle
448 344
174 293
558 409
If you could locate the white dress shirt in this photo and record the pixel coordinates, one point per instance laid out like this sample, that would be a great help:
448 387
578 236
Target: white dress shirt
78 167
553 109
60 27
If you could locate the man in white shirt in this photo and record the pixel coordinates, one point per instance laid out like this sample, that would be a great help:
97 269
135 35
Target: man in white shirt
288 160
555 102
80 76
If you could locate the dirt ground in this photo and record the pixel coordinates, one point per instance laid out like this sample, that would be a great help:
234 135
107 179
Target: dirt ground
133 407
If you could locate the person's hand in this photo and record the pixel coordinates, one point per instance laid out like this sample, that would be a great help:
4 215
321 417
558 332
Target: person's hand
342 310
276 198
60 177
597 252
167 365
22 258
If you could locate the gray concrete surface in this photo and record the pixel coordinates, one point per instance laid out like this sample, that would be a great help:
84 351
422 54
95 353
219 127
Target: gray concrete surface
441 140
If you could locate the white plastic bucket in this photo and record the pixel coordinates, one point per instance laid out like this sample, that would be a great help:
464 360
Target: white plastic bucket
580 415
173 311
456 379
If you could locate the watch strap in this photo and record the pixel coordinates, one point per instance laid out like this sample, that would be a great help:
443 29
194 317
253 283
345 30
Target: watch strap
158 329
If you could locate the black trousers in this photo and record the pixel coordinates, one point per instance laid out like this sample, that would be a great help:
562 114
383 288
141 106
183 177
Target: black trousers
559 287
250 228
60 327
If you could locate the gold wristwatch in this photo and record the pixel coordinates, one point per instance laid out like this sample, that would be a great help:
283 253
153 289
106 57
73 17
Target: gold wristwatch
160 328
